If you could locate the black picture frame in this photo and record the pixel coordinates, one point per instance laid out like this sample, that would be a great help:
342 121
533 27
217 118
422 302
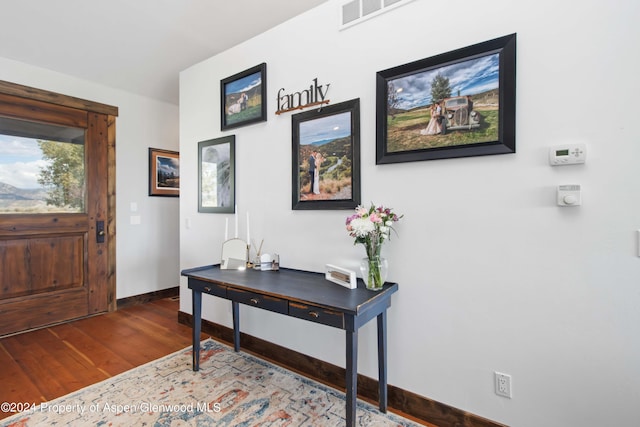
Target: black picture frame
334 132
164 173
216 175
243 98
480 109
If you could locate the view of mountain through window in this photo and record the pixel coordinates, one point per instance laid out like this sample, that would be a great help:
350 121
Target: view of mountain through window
41 168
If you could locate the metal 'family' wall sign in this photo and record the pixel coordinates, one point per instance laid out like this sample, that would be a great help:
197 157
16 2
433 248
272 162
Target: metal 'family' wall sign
314 95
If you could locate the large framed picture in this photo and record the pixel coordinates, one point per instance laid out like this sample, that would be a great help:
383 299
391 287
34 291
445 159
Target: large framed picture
243 97
456 104
164 173
216 175
326 157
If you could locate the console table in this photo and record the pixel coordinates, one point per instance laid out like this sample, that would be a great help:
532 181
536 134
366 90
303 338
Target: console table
305 295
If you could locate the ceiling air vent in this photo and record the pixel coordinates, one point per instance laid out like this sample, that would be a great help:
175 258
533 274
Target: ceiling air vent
353 12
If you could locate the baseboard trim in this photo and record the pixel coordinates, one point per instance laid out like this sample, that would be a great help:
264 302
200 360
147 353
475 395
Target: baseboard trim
148 297
400 400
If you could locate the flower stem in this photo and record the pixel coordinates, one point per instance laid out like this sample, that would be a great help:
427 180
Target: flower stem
374 281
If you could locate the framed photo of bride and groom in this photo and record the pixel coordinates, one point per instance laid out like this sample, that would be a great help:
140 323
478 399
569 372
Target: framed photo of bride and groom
326 157
456 104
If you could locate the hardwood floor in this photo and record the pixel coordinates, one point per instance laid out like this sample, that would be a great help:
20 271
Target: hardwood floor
41 365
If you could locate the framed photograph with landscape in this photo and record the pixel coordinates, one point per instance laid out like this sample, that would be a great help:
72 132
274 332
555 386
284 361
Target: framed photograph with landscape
456 104
243 99
164 173
216 175
326 157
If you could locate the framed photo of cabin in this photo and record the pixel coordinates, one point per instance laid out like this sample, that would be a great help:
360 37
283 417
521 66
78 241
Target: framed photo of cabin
326 157
216 175
243 99
164 173
456 104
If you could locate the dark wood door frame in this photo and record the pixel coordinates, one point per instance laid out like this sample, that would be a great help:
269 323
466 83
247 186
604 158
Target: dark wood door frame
110 112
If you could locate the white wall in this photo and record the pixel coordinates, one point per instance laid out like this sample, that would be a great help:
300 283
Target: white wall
146 254
493 275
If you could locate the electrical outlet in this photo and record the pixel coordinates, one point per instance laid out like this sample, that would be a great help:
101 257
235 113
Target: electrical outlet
503 384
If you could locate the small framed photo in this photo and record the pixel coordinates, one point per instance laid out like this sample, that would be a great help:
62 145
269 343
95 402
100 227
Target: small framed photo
164 173
216 175
326 157
243 98
456 104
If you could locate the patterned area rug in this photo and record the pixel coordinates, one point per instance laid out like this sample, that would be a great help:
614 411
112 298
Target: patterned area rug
231 389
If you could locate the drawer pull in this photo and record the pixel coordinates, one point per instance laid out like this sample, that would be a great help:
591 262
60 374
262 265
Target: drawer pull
207 289
254 300
314 314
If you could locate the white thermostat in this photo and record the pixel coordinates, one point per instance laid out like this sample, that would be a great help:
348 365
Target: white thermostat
569 195
570 154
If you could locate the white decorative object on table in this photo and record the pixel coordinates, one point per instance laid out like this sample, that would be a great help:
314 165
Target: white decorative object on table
341 276
234 255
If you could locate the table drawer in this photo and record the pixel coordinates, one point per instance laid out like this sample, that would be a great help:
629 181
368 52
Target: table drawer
207 288
316 314
257 300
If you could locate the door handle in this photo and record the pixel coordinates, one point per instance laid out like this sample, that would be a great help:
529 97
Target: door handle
100 233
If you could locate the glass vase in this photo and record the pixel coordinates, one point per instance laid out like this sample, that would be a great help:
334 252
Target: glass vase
374 272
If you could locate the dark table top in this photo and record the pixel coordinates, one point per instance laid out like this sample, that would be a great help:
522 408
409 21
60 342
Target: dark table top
296 285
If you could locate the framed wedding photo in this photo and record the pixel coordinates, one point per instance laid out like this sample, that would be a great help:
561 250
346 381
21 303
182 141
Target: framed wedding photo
456 104
164 173
243 99
326 157
216 175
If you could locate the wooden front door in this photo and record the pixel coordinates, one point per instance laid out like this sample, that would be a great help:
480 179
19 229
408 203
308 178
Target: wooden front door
58 265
